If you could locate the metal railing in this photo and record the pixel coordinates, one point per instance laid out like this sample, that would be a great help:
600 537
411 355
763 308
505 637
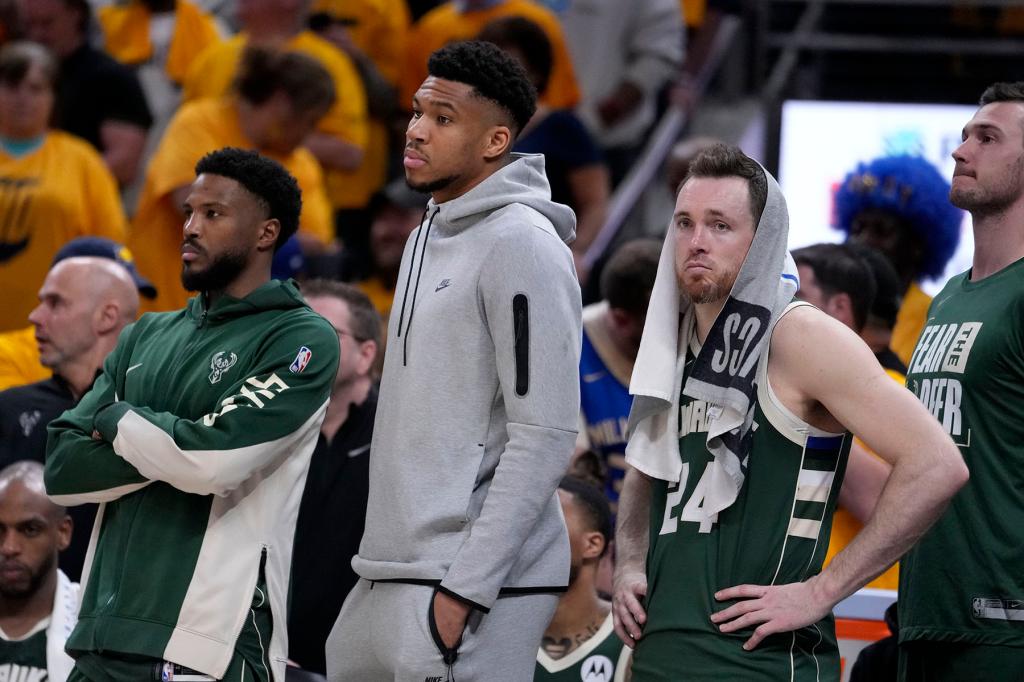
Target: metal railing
666 132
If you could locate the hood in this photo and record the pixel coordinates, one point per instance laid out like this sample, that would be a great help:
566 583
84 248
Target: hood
521 181
274 295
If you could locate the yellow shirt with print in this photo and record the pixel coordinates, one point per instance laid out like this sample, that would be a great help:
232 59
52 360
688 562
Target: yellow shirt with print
19 359
197 129
60 191
845 526
214 70
445 24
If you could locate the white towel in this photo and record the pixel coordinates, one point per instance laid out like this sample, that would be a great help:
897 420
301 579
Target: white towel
725 370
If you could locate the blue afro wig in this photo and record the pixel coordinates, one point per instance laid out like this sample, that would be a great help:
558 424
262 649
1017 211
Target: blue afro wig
911 188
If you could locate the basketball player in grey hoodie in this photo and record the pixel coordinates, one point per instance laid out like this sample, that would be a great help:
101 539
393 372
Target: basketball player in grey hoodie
465 548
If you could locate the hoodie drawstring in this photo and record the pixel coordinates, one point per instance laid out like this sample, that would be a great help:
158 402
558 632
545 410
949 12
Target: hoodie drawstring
408 280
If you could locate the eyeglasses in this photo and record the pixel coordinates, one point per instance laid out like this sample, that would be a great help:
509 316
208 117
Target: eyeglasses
342 332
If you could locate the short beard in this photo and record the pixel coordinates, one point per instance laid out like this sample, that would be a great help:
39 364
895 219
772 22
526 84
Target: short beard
35 581
704 292
224 270
432 186
982 203
710 292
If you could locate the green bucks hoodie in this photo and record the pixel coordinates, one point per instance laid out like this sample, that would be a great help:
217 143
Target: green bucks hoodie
205 422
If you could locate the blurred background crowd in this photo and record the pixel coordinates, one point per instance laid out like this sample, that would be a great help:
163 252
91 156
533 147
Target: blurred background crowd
106 105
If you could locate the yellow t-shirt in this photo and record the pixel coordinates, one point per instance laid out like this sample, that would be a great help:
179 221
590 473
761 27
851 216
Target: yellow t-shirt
910 322
845 527
60 191
379 28
19 359
445 24
126 35
213 71
156 234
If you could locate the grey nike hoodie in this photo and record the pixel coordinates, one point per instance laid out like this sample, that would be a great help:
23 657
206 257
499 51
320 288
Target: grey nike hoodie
479 399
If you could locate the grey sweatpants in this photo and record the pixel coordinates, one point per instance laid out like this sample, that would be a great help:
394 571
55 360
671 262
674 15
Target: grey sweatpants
383 634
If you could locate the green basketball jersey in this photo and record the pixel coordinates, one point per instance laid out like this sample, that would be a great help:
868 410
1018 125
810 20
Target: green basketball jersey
24 660
964 581
602 658
775 532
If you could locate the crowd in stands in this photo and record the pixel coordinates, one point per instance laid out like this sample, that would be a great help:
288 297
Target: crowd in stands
106 106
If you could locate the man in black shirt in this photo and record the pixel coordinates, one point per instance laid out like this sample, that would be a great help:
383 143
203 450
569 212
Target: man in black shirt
333 508
98 98
89 295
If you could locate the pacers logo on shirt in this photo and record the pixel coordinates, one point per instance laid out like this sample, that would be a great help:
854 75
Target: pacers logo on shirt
15 202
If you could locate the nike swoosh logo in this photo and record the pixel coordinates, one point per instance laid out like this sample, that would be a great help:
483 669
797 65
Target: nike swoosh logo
593 376
132 367
359 451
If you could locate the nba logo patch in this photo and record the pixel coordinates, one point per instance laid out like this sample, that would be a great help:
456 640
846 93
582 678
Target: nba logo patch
301 360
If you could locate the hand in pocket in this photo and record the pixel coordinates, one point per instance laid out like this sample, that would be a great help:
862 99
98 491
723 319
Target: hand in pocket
450 617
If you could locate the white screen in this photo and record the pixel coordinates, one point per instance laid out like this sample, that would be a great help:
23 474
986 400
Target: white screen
821 142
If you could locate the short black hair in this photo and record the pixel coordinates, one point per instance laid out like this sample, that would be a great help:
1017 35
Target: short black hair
1003 92
888 287
838 269
594 504
492 73
628 277
263 72
726 161
526 38
363 317
275 188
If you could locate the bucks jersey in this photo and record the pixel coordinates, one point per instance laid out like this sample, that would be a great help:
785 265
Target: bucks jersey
604 397
24 660
602 658
776 532
964 581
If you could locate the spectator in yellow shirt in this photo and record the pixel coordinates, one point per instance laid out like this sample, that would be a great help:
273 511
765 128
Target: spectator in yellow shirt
53 186
463 20
341 138
278 99
372 33
171 32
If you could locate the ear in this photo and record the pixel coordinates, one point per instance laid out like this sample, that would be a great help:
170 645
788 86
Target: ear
267 238
499 142
367 354
593 545
840 306
106 317
64 528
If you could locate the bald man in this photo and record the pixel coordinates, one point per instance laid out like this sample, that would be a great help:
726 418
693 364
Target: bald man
38 603
84 304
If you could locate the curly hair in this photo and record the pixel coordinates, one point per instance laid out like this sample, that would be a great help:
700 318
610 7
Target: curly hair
273 186
492 73
913 190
